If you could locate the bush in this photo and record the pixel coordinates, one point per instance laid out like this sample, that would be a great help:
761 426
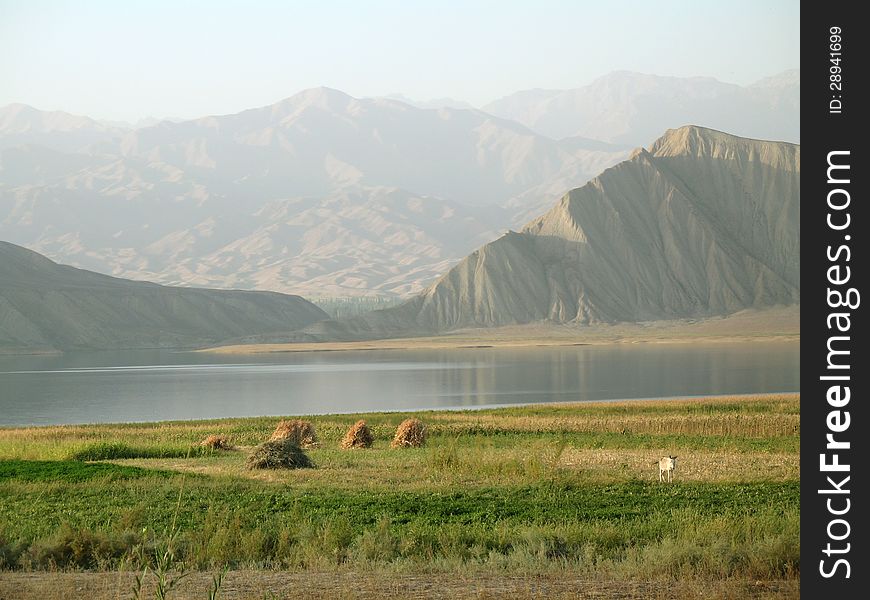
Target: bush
410 434
80 548
10 551
119 450
279 454
298 431
358 436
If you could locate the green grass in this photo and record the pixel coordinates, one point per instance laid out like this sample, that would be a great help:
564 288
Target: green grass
93 504
120 450
527 489
249 524
66 471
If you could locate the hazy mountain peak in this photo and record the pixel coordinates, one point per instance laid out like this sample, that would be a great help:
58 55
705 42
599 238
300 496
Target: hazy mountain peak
320 97
21 124
434 103
631 108
791 77
23 118
626 75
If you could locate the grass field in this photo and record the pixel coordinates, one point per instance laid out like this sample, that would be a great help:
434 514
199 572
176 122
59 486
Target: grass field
559 492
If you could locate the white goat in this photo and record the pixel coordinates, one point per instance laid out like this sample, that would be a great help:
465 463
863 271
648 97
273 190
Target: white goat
667 465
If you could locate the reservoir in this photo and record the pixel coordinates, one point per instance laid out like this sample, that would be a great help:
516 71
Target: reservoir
129 386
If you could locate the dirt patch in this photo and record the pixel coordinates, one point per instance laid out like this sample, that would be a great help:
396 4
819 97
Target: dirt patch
245 585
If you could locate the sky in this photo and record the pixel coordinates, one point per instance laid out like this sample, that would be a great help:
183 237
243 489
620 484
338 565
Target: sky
130 59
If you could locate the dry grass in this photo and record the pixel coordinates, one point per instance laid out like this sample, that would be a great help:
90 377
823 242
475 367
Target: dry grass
217 442
411 433
756 426
691 465
298 431
278 454
358 436
730 420
444 468
763 416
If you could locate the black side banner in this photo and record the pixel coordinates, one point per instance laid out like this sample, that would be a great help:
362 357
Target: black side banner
834 380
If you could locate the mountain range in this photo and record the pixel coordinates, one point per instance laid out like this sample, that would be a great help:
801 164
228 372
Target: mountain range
45 306
633 108
292 197
323 194
700 223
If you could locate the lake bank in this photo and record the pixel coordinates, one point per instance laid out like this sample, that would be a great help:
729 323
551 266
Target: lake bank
770 325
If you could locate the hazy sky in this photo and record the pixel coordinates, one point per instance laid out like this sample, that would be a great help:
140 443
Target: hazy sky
127 59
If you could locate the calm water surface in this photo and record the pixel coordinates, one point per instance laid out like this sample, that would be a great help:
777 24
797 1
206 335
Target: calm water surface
162 385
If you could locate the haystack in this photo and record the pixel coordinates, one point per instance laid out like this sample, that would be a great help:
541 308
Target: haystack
279 454
358 436
298 431
217 442
410 434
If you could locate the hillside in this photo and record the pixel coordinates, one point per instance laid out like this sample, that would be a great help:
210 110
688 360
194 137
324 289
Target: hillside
318 194
47 306
702 223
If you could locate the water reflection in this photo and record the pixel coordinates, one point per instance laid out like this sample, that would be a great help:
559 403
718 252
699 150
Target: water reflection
160 385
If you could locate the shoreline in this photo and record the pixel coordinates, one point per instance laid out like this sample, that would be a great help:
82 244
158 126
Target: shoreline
689 399
436 343
749 326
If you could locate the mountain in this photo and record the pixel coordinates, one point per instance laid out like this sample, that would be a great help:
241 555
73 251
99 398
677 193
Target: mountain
321 194
138 123
44 306
433 103
702 223
632 108
322 139
21 125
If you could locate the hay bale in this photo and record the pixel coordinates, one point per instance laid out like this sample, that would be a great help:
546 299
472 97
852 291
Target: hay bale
298 431
217 442
411 433
279 454
358 436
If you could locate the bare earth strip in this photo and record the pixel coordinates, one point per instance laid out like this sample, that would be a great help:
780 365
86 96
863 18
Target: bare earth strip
245 585
771 325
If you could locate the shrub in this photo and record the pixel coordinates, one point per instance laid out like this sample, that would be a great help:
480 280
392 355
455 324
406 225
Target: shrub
358 436
119 450
279 454
298 431
410 434
74 547
10 551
